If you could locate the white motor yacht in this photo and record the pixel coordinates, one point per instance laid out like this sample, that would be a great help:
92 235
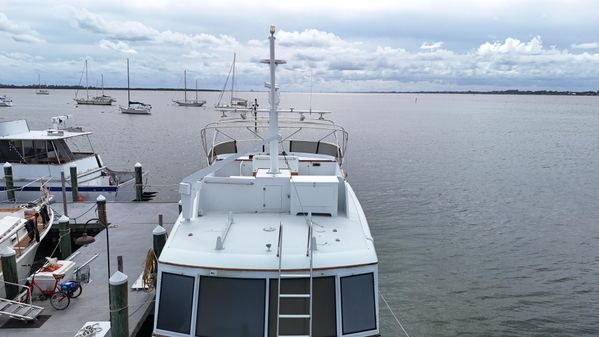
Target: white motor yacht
5 101
271 240
39 156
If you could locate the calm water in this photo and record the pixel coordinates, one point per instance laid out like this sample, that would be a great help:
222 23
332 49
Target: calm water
485 209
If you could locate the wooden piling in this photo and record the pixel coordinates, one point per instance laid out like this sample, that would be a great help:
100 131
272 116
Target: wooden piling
64 194
8 179
74 183
101 203
64 232
119 305
159 239
9 271
139 188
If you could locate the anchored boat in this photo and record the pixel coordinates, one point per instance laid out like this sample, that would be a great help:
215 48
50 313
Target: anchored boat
38 157
189 102
5 101
271 240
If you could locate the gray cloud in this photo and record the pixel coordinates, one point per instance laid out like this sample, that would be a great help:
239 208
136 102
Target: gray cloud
18 32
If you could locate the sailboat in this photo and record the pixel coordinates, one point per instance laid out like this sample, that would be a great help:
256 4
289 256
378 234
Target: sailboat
134 108
185 101
40 90
97 100
234 102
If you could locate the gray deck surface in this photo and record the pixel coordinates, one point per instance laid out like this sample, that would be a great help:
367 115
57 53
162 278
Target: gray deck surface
130 236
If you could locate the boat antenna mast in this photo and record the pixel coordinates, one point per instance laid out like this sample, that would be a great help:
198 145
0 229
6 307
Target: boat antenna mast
273 118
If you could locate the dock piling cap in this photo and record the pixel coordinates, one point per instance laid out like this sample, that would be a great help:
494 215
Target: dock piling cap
159 230
117 278
7 164
137 164
63 218
100 198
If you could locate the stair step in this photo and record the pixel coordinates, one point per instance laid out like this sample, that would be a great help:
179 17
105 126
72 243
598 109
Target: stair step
11 309
294 335
4 305
302 316
295 295
295 275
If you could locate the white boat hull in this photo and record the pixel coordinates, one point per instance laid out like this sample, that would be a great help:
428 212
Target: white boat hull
26 259
136 110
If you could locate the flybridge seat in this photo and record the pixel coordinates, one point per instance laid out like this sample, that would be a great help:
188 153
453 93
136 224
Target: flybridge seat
295 146
302 146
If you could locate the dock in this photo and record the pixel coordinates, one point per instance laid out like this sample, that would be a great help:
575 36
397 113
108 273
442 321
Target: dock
130 236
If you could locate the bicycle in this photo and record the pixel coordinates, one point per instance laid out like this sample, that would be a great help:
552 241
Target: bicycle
60 295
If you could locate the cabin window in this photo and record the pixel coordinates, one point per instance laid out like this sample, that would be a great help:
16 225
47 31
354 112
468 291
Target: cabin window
176 297
357 303
323 307
10 151
230 307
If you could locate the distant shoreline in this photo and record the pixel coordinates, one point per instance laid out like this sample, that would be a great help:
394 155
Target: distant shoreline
467 92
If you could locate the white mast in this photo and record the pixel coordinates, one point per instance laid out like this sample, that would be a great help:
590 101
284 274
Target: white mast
86 84
185 84
273 119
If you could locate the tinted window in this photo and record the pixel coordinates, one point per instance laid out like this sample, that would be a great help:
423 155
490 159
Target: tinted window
357 303
323 308
176 297
231 307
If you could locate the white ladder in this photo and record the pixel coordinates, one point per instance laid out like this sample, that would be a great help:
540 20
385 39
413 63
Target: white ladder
19 310
309 275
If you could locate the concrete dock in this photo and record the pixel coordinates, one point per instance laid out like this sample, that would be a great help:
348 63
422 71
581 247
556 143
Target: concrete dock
130 236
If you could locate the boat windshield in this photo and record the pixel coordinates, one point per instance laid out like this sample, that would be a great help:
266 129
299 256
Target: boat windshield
28 151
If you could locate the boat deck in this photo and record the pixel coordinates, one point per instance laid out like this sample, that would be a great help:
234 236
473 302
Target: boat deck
130 236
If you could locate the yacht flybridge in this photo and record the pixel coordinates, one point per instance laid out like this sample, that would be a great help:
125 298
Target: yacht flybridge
271 240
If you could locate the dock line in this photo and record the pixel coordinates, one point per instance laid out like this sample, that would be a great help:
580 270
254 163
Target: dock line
394 316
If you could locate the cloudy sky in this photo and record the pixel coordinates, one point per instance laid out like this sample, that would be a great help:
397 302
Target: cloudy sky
344 45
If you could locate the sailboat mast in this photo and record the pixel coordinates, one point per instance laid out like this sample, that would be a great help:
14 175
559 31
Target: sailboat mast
185 85
196 91
86 83
128 89
233 79
102 77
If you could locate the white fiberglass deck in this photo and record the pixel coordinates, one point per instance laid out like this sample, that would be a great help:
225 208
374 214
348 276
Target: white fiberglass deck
340 242
258 203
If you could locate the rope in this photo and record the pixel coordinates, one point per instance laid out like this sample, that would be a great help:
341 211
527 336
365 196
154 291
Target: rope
150 271
89 330
119 309
394 316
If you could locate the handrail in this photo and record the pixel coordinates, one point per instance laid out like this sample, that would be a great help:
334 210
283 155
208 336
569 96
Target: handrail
27 290
309 243
280 256
280 243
